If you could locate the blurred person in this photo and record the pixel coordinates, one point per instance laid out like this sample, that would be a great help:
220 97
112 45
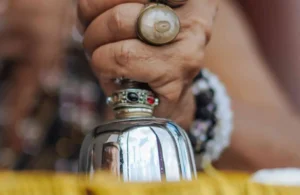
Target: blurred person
276 28
33 39
265 121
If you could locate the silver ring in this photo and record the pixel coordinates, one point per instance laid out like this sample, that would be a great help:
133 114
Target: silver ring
128 97
158 24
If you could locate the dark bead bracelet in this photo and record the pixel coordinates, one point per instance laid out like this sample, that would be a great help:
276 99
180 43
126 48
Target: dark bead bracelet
211 129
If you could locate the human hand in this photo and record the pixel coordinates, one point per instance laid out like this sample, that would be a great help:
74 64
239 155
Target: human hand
110 38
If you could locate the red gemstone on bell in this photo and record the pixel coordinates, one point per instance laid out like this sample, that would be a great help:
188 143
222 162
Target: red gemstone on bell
150 100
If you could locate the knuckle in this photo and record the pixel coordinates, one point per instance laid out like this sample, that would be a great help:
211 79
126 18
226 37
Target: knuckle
208 34
130 52
207 31
200 25
192 59
125 54
95 57
196 61
117 21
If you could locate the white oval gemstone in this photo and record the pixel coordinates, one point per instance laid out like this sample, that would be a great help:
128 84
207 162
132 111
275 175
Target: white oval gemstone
158 24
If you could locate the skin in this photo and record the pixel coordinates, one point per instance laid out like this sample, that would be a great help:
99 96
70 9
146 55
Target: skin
276 33
266 127
115 50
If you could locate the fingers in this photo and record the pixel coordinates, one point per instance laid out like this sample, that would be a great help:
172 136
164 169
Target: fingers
160 67
119 23
130 59
90 9
138 61
116 24
111 39
200 20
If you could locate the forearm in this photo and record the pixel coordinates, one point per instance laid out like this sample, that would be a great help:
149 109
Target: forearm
262 139
265 133
235 57
278 33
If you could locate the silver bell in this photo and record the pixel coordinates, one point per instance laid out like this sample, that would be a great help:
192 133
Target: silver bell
137 146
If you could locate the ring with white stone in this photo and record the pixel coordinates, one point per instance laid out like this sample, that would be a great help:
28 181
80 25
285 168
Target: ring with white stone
157 24
211 131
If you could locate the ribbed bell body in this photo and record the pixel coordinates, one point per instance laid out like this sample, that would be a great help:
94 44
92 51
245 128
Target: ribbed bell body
139 150
137 147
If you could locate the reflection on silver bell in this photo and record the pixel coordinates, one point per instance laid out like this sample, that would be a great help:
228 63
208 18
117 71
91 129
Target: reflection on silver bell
158 24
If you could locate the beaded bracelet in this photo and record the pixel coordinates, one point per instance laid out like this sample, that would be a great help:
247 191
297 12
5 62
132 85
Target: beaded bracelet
211 131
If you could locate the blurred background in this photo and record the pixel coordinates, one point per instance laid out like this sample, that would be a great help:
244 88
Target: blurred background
49 97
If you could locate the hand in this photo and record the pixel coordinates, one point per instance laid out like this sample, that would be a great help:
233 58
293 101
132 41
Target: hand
110 38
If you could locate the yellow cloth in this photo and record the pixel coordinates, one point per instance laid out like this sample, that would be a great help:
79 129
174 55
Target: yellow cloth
209 183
